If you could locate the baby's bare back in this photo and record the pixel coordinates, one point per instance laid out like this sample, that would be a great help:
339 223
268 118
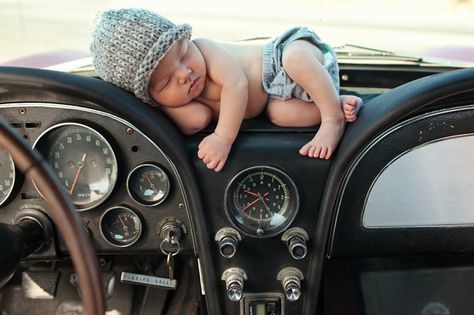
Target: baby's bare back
250 57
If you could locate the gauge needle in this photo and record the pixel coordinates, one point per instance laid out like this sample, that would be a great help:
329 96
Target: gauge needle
79 168
149 181
253 202
264 203
250 193
265 195
121 221
256 194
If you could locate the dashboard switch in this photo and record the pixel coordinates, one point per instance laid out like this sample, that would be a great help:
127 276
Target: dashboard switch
234 282
296 238
227 239
291 278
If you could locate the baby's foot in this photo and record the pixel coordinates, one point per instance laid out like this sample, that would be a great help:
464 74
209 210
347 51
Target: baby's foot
350 106
326 139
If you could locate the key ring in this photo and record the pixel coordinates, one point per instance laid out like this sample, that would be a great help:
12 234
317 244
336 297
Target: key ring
166 252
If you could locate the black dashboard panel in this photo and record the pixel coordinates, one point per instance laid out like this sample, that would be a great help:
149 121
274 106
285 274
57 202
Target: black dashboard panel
132 148
263 258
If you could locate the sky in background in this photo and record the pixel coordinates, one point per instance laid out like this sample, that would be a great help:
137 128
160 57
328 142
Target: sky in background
30 26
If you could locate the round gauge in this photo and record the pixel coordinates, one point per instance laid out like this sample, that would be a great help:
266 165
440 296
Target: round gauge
261 201
83 160
120 226
148 185
7 176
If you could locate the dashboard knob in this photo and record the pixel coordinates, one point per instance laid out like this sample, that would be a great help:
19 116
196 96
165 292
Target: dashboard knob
291 278
297 247
234 281
295 239
227 239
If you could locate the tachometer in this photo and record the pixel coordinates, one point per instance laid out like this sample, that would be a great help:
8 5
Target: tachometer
7 176
83 160
261 201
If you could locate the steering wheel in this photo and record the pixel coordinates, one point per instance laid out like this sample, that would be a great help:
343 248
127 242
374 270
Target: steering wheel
63 214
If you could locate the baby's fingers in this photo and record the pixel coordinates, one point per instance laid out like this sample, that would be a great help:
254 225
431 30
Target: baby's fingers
220 166
201 153
212 164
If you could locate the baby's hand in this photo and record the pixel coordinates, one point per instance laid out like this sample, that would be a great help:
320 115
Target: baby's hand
213 151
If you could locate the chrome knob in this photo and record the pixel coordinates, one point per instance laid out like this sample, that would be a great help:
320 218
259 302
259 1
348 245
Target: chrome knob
295 239
291 278
234 281
228 246
297 247
227 239
292 288
235 292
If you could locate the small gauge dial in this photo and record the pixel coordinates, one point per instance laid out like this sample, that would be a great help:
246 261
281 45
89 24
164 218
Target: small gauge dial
148 185
7 176
120 226
261 201
83 160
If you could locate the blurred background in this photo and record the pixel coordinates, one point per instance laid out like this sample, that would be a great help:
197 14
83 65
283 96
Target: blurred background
29 27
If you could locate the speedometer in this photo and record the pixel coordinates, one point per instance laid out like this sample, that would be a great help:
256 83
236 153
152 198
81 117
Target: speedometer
261 201
7 176
83 160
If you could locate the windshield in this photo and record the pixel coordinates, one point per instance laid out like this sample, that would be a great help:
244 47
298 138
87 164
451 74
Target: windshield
42 33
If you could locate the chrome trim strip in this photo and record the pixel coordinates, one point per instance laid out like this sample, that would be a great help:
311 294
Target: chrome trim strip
366 149
126 123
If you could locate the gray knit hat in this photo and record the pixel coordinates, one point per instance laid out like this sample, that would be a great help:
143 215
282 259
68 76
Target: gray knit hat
128 44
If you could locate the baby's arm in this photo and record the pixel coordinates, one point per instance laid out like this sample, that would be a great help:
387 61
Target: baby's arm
226 71
190 118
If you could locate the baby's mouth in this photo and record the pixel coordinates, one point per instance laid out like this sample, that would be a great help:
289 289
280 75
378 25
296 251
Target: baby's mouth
194 84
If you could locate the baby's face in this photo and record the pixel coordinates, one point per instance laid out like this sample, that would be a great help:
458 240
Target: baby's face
180 76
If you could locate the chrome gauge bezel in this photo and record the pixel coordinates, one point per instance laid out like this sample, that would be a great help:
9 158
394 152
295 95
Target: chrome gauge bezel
44 134
157 168
125 210
246 226
11 166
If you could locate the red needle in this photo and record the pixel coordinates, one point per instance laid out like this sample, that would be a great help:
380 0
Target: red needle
149 181
257 195
80 166
256 200
265 195
251 193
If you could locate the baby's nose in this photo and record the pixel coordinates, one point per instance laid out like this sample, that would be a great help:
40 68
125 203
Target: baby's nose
184 75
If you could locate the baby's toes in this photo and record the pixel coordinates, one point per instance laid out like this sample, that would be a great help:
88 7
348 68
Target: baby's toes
305 149
351 118
329 153
316 152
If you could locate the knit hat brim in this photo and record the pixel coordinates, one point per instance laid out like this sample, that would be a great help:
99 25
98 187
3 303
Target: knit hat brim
152 59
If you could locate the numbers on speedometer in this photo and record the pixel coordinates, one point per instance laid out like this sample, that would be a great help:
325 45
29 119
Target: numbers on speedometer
83 160
261 201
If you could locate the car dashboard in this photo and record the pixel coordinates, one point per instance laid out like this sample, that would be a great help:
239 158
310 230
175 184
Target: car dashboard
273 232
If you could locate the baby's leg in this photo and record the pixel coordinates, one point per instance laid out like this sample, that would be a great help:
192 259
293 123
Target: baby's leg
293 113
297 113
302 62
